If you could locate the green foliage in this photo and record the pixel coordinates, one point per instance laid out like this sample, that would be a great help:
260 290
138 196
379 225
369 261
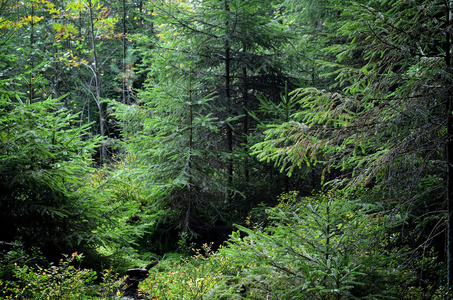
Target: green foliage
426 279
111 285
185 247
192 278
171 143
371 109
31 279
171 133
274 114
45 154
326 247
382 124
181 130
63 281
127 212
16 255
378 114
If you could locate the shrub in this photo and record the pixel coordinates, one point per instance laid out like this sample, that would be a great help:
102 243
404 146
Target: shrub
112 285
56 282
63 281
190 278
325 247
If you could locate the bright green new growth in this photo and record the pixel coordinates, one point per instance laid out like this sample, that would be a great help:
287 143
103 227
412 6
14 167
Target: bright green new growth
325 247
45 154
65 280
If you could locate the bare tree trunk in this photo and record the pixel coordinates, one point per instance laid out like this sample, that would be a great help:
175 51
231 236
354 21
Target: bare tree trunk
190 196
449 151
125 88
97 82
32 45
245 105
140 9
229 129
287 118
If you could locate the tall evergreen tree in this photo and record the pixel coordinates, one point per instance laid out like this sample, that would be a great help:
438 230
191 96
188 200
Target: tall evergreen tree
385 123
171 134
235 48
45 155
225 50
46 142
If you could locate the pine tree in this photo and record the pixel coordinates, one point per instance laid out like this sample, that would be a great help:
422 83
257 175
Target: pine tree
45 155
171 132
313 248
221 49
384 124
235 49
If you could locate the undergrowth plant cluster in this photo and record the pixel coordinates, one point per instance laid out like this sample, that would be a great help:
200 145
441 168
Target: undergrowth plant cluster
323 247
65 280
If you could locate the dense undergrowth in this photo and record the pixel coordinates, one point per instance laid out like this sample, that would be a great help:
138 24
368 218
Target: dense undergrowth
324 247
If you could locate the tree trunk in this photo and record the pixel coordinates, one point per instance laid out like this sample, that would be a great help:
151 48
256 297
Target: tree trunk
246 114
124 65
97 83
229 129
32 48
190 196
449 151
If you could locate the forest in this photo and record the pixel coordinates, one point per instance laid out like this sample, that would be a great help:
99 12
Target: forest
251 149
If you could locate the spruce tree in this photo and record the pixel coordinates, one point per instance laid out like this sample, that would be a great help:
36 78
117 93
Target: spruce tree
385 122
45 154
205 50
